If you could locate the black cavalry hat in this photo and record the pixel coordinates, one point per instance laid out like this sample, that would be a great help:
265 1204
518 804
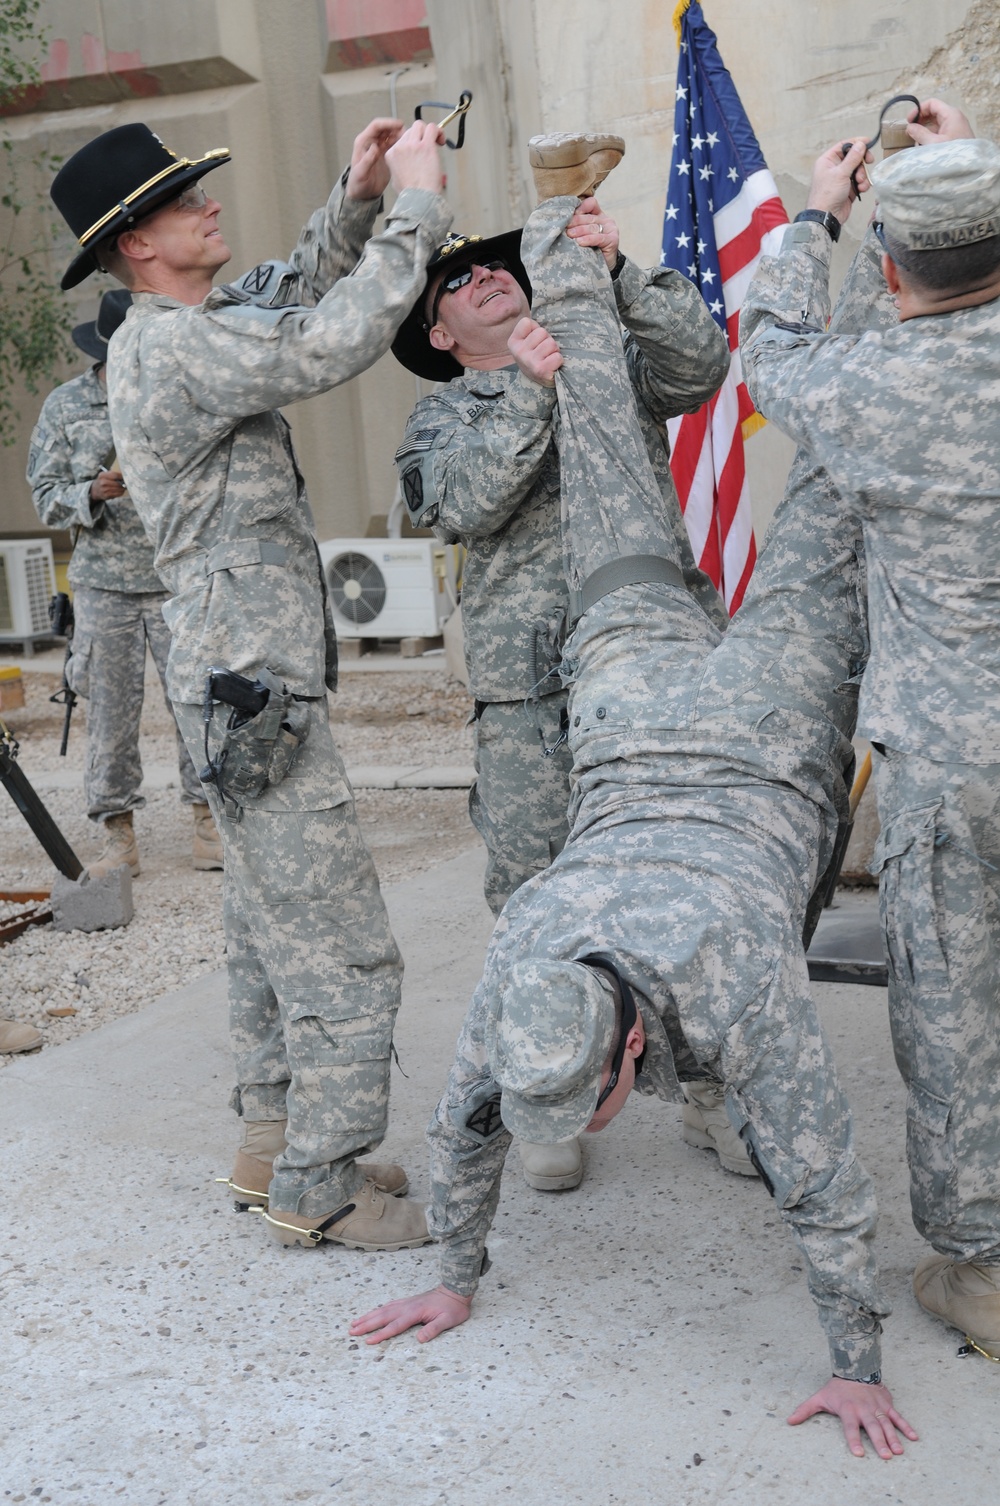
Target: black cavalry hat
113 181
93 338
411 346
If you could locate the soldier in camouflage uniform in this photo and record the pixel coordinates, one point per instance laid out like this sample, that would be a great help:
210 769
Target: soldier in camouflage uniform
479 463
906 423
117 598
195 378
710 779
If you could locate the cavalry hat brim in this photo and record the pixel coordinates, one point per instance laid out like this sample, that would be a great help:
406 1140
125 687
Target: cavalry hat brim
86 338
166 189
411 347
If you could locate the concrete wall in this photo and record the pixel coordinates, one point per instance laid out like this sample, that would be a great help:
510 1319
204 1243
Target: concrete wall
287 85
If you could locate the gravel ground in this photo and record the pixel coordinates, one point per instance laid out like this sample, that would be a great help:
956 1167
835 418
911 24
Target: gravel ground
176 934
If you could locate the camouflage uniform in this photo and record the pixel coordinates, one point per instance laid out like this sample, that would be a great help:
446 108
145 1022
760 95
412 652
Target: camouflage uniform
314 972
485 452
709 782
905 422
117 595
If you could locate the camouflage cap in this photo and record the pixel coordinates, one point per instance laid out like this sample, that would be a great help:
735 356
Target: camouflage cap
940 196
547 1038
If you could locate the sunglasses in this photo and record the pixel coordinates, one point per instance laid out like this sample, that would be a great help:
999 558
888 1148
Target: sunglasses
193 197
460 279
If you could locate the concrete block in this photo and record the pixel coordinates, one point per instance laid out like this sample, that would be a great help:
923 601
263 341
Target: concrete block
437 777
412 648
93 904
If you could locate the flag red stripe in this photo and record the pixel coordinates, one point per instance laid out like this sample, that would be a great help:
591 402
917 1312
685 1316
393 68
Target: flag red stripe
742 248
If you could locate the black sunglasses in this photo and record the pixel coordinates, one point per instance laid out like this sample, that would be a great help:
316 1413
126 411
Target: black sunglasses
459 279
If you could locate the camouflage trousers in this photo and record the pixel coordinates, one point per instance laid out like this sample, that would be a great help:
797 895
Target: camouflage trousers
314 972
519 801
938 860
108 667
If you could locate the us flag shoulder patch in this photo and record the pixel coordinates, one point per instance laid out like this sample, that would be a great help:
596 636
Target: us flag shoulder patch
420 439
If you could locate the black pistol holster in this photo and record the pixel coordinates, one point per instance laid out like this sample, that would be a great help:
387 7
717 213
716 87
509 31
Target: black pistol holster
265 730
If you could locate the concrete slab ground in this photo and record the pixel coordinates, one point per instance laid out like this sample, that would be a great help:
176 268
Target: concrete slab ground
641 1339
372 776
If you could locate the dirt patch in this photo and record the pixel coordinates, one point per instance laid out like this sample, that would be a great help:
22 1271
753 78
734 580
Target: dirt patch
176 935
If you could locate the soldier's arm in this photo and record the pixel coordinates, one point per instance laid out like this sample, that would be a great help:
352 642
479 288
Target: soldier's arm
231 358
59 499
468 1145
466 464
791 363
678 356
332 241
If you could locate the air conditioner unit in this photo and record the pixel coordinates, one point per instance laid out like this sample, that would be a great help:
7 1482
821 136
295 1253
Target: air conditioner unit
27 581
389 588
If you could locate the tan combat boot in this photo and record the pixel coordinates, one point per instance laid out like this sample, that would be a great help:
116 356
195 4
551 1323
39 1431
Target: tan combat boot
370 1221
552 1168
119 847
206 848
572 163
965 1295
705 1125
263 1139
15 1037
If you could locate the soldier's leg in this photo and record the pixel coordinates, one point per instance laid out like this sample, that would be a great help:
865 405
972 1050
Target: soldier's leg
610 494
783 1096
939 856
206 844
315 938
110 650
311 897
158 638
520 799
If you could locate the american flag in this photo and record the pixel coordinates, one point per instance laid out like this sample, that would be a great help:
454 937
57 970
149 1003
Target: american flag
722 212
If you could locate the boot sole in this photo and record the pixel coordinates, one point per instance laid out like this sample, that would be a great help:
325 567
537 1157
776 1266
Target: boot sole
554 1184
287 1238
206 865
575 152
989 1346
246 1199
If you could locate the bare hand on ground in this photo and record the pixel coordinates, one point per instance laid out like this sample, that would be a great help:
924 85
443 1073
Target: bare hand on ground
432 1312
415 161
369 174
831 188
535 352
590 226
105 485
859 1406
938 122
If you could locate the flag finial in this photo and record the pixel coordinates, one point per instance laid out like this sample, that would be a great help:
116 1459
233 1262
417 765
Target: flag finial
678 13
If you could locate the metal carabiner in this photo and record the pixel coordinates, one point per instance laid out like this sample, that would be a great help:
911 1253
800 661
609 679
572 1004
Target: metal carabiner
459 110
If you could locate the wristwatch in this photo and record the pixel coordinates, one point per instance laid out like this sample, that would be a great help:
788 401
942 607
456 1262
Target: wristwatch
822 217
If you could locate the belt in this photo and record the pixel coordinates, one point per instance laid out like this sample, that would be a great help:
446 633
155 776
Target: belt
235 552
626 570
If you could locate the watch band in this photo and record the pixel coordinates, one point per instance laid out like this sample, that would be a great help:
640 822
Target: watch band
822 217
